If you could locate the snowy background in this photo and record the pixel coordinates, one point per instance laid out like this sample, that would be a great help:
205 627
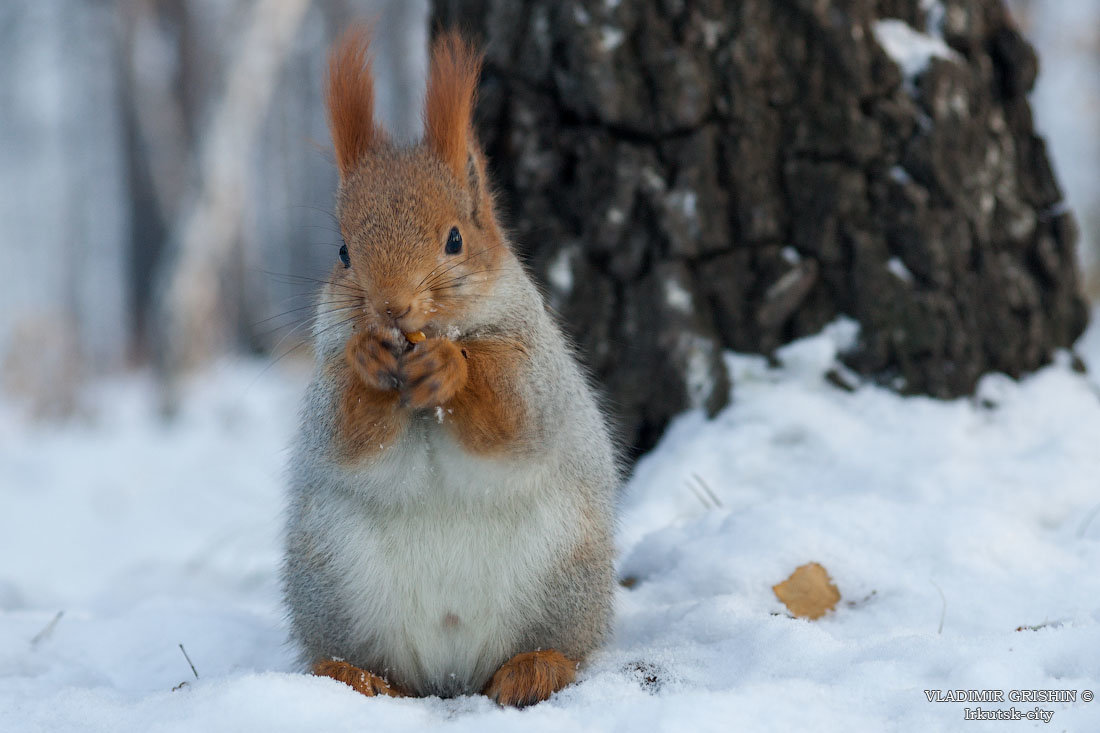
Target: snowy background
964 536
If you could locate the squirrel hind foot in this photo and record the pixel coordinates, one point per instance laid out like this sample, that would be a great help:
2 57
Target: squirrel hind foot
360 680
530 678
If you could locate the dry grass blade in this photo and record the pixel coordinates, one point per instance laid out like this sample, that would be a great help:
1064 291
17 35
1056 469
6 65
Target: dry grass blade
45 632
189 662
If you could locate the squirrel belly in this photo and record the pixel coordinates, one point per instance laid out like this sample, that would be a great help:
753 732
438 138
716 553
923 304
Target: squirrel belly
432 565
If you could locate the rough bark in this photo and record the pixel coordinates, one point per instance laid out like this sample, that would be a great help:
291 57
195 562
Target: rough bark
687 176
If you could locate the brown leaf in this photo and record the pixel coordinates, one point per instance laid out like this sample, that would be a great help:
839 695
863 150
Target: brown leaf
809 592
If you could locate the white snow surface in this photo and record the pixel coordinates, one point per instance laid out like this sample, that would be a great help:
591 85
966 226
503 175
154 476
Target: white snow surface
149 534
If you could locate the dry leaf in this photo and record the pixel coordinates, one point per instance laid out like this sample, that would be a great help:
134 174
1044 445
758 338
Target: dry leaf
809 592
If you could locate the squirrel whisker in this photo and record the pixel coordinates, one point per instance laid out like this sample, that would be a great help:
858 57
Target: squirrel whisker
463 261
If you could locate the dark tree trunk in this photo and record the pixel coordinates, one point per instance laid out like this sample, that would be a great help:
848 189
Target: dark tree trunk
688 176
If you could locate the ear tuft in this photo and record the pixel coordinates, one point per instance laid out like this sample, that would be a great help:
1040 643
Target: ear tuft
449 104
349 99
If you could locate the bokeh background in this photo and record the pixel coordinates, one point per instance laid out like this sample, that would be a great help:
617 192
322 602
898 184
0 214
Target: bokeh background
158 152
155 153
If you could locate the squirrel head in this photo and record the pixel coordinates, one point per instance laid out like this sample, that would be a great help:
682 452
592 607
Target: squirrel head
422 247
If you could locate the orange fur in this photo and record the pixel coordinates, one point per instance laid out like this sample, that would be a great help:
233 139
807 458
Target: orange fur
449 103
432 373
531 677
358 679
488 413
349 99
475 380
369 418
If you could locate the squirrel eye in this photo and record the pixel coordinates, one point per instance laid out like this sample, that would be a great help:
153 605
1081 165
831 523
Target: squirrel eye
454 242
344 256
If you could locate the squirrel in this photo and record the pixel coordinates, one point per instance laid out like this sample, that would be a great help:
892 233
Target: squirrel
453 482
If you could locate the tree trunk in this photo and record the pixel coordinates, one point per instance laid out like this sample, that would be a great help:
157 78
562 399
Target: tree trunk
65 208
688 176
208 230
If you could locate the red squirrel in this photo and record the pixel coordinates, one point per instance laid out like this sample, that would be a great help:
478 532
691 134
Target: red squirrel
452 493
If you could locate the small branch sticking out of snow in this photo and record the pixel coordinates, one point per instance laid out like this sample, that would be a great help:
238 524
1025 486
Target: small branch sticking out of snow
1088 520
943 611
706 487
192 664
706 497
702 499
44 633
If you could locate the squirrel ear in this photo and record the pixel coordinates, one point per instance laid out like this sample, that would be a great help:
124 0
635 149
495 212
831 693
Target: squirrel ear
449 103
349 99
480 196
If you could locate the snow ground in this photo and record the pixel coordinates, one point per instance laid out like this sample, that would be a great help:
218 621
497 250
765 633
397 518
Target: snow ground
149 535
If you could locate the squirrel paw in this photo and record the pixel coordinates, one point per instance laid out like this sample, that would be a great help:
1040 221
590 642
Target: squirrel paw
373 356
531 677
431 373
359 680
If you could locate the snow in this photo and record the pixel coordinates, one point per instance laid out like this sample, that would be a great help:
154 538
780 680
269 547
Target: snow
900 175
677 296
149 534
560 271
610 38
935 13
898 269
909 48
699 375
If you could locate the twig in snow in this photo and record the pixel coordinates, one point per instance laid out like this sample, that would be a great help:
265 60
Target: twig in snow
1088 520
707 497
1044 625
866 599
189 661
44 633
943 611
706 488
702 499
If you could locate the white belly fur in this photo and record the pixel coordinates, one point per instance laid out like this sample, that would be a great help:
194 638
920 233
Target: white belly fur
442 568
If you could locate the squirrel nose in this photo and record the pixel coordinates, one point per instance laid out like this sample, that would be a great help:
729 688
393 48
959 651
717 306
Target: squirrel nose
389 312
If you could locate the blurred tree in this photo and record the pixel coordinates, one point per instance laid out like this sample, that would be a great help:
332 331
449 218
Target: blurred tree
692 175
229 152
64 199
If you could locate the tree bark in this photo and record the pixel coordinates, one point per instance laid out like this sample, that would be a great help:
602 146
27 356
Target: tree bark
689 176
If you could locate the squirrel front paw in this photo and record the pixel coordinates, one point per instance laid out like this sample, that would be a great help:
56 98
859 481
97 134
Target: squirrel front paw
432 373
373 356
428 374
